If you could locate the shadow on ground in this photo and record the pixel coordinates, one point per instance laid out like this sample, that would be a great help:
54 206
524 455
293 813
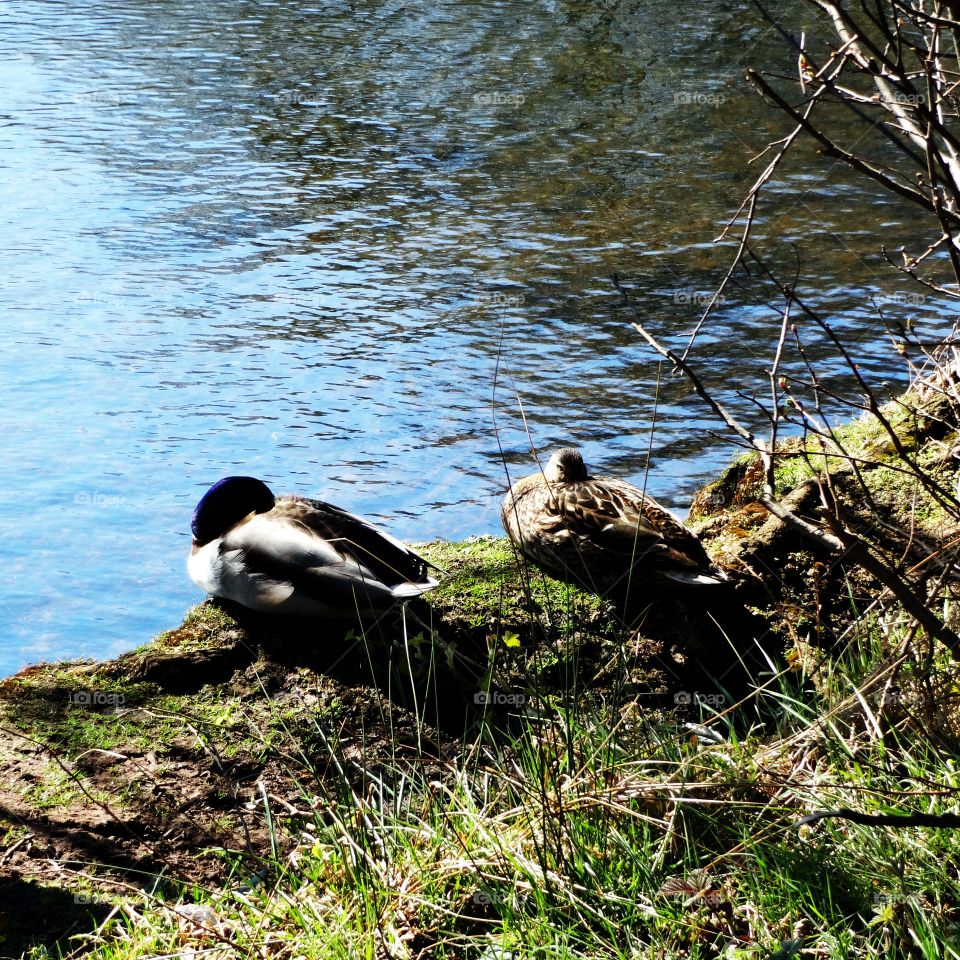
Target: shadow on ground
34 915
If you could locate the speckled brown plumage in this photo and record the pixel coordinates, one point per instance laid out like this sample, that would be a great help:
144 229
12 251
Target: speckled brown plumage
601 533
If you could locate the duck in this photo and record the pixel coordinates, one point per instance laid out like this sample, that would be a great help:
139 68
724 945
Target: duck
293 555
602 534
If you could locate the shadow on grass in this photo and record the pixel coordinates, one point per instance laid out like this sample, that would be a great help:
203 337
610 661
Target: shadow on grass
33 915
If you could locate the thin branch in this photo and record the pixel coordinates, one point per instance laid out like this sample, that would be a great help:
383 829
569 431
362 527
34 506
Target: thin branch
858 552
857 163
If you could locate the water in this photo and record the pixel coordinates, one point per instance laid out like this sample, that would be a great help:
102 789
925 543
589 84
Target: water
334 246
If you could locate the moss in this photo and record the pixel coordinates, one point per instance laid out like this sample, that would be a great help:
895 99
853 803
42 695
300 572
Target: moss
863 441
739 484
486 584
202 624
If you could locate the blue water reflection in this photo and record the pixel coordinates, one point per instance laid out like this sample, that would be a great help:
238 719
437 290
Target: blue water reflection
307 243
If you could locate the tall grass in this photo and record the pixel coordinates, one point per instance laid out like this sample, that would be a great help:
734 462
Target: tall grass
591 831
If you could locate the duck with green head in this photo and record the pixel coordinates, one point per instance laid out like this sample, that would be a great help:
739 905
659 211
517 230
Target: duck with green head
293 555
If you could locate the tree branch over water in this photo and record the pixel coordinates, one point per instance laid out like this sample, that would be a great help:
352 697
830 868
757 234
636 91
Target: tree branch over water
894 70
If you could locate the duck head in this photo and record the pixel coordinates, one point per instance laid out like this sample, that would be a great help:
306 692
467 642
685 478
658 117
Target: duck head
226 503
566 466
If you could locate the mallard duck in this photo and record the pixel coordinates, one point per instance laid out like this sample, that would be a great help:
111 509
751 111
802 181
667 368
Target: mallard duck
292 555
602 534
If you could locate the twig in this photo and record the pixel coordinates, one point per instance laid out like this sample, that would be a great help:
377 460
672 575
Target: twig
834 150
859 553
840 540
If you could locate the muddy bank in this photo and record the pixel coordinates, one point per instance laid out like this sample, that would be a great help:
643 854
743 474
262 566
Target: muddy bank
158 770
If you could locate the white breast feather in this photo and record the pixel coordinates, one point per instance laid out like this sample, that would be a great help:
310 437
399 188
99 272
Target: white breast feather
224 568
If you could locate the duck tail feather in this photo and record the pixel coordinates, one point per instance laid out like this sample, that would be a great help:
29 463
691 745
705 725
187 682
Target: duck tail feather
407 591
698 578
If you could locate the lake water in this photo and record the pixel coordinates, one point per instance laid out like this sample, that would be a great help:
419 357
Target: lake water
335 247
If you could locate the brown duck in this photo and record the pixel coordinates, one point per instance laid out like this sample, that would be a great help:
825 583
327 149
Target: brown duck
602 534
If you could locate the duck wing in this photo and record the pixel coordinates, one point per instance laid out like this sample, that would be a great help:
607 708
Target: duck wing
308 557
357 540
619 519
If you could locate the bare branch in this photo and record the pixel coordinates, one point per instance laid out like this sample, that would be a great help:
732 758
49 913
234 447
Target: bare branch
834 150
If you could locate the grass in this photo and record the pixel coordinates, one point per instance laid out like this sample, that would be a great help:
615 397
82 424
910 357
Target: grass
479 587
598 834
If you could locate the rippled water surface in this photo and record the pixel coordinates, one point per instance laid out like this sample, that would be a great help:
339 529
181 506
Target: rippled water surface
333 246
